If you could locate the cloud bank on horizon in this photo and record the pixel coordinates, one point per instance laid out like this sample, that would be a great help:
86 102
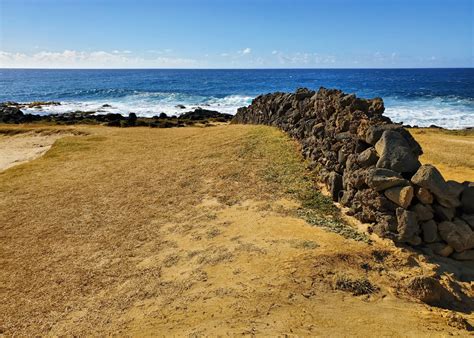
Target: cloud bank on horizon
236 34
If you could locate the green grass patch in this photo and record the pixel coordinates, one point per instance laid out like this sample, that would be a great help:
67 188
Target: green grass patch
284 170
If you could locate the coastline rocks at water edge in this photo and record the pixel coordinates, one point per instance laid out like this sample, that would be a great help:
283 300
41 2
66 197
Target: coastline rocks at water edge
10 112
371 165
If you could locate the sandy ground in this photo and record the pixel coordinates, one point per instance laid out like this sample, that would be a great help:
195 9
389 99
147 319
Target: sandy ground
196 231
22 148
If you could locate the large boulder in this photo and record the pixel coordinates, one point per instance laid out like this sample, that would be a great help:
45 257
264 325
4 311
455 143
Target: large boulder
430 178
402 196
381 179
458 236
374 133
395 153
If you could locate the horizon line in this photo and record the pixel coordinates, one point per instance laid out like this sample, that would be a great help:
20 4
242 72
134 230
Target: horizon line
270 68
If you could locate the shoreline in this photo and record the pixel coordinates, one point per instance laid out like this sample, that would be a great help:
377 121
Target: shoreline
21 113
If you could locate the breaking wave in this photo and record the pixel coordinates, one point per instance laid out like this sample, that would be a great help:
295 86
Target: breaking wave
146 104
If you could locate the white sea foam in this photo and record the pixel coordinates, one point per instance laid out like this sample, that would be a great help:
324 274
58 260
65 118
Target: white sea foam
447 112
149 104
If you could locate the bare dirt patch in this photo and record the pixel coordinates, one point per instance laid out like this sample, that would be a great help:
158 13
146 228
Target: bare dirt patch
21 145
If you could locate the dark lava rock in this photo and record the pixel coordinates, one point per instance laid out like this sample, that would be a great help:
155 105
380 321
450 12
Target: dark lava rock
423 212
382 179
367 158
408 228
430 178
395 153
202 114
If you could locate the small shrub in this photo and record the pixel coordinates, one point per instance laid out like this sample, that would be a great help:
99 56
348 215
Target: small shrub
358 287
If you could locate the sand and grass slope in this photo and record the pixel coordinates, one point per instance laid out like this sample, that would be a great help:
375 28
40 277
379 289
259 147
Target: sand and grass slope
195 231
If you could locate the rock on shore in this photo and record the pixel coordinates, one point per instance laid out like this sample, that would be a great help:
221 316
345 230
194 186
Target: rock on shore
10 112
371 165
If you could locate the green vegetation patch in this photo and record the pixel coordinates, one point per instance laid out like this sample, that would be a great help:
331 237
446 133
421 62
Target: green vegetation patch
287 175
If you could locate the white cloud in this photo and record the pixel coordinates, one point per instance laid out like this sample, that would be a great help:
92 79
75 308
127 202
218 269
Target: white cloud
245 51
94 59
304 59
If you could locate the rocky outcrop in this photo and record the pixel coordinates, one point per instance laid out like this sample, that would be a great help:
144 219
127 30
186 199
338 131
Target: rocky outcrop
10 112
371 166
202 114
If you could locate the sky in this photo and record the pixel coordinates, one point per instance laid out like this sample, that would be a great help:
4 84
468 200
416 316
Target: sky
236 33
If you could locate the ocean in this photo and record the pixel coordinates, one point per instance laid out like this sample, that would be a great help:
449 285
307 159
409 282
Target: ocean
443 97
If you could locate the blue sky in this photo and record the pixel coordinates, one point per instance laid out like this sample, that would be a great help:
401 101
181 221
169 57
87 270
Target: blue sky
236 33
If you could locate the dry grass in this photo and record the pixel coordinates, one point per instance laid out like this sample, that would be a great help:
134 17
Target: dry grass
451 151
189 231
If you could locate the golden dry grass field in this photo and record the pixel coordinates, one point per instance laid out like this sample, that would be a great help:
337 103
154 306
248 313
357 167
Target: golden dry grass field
451 151
197 231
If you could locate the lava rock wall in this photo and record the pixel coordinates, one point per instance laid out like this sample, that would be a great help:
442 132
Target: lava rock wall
371 166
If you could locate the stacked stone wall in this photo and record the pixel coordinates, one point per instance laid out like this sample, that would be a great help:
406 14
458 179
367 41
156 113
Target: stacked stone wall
371 165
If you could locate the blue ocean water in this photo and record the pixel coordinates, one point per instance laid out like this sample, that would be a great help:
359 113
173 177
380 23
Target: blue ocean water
422 97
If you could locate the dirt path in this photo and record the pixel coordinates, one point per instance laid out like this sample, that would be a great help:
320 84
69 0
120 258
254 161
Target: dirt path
194 231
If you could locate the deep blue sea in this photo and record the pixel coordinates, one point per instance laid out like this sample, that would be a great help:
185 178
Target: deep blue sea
422 97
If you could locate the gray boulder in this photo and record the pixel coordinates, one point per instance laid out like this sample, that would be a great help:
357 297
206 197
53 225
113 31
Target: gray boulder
381 179
458 236
395 153
430 178
374 133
